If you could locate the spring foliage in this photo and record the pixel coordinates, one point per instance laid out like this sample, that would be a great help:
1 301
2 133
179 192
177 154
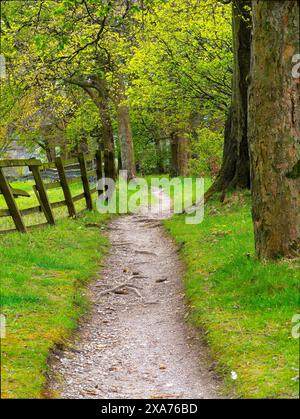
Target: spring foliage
175 58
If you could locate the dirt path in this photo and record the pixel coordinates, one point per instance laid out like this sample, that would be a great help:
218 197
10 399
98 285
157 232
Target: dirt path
136 344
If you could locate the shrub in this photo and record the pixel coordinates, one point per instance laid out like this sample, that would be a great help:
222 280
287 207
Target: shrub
206 153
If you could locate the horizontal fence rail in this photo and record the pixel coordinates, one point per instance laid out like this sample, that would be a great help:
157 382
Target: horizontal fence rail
86 169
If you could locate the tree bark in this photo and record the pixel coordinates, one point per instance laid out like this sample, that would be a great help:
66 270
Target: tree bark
174 155
182 154
179 154
99 94
235 170
96 88
160 156
50 153
125 133
108 139
274 129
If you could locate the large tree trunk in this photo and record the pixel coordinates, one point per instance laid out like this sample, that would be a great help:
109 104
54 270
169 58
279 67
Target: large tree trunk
125 133
274 129
235 170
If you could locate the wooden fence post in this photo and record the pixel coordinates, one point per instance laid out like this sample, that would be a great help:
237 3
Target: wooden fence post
85 182
37 197
11 203
65 186
44 201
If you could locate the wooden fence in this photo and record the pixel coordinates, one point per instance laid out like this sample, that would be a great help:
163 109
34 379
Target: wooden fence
40 188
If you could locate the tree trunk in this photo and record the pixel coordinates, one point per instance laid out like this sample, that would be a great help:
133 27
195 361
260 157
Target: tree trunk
64 154
235 170
274 129
120 162
125 135
50 153
182 154
174 155
108 137
160 156
99 94
179 154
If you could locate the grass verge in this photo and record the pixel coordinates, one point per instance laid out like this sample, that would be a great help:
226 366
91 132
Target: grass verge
42 278
245 306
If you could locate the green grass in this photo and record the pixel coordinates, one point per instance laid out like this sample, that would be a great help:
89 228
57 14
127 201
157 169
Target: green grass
43 275
244 306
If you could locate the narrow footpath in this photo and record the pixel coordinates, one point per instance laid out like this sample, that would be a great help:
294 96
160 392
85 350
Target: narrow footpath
136 343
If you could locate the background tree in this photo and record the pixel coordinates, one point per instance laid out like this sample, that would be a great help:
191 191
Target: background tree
70 42
182 77
235 170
